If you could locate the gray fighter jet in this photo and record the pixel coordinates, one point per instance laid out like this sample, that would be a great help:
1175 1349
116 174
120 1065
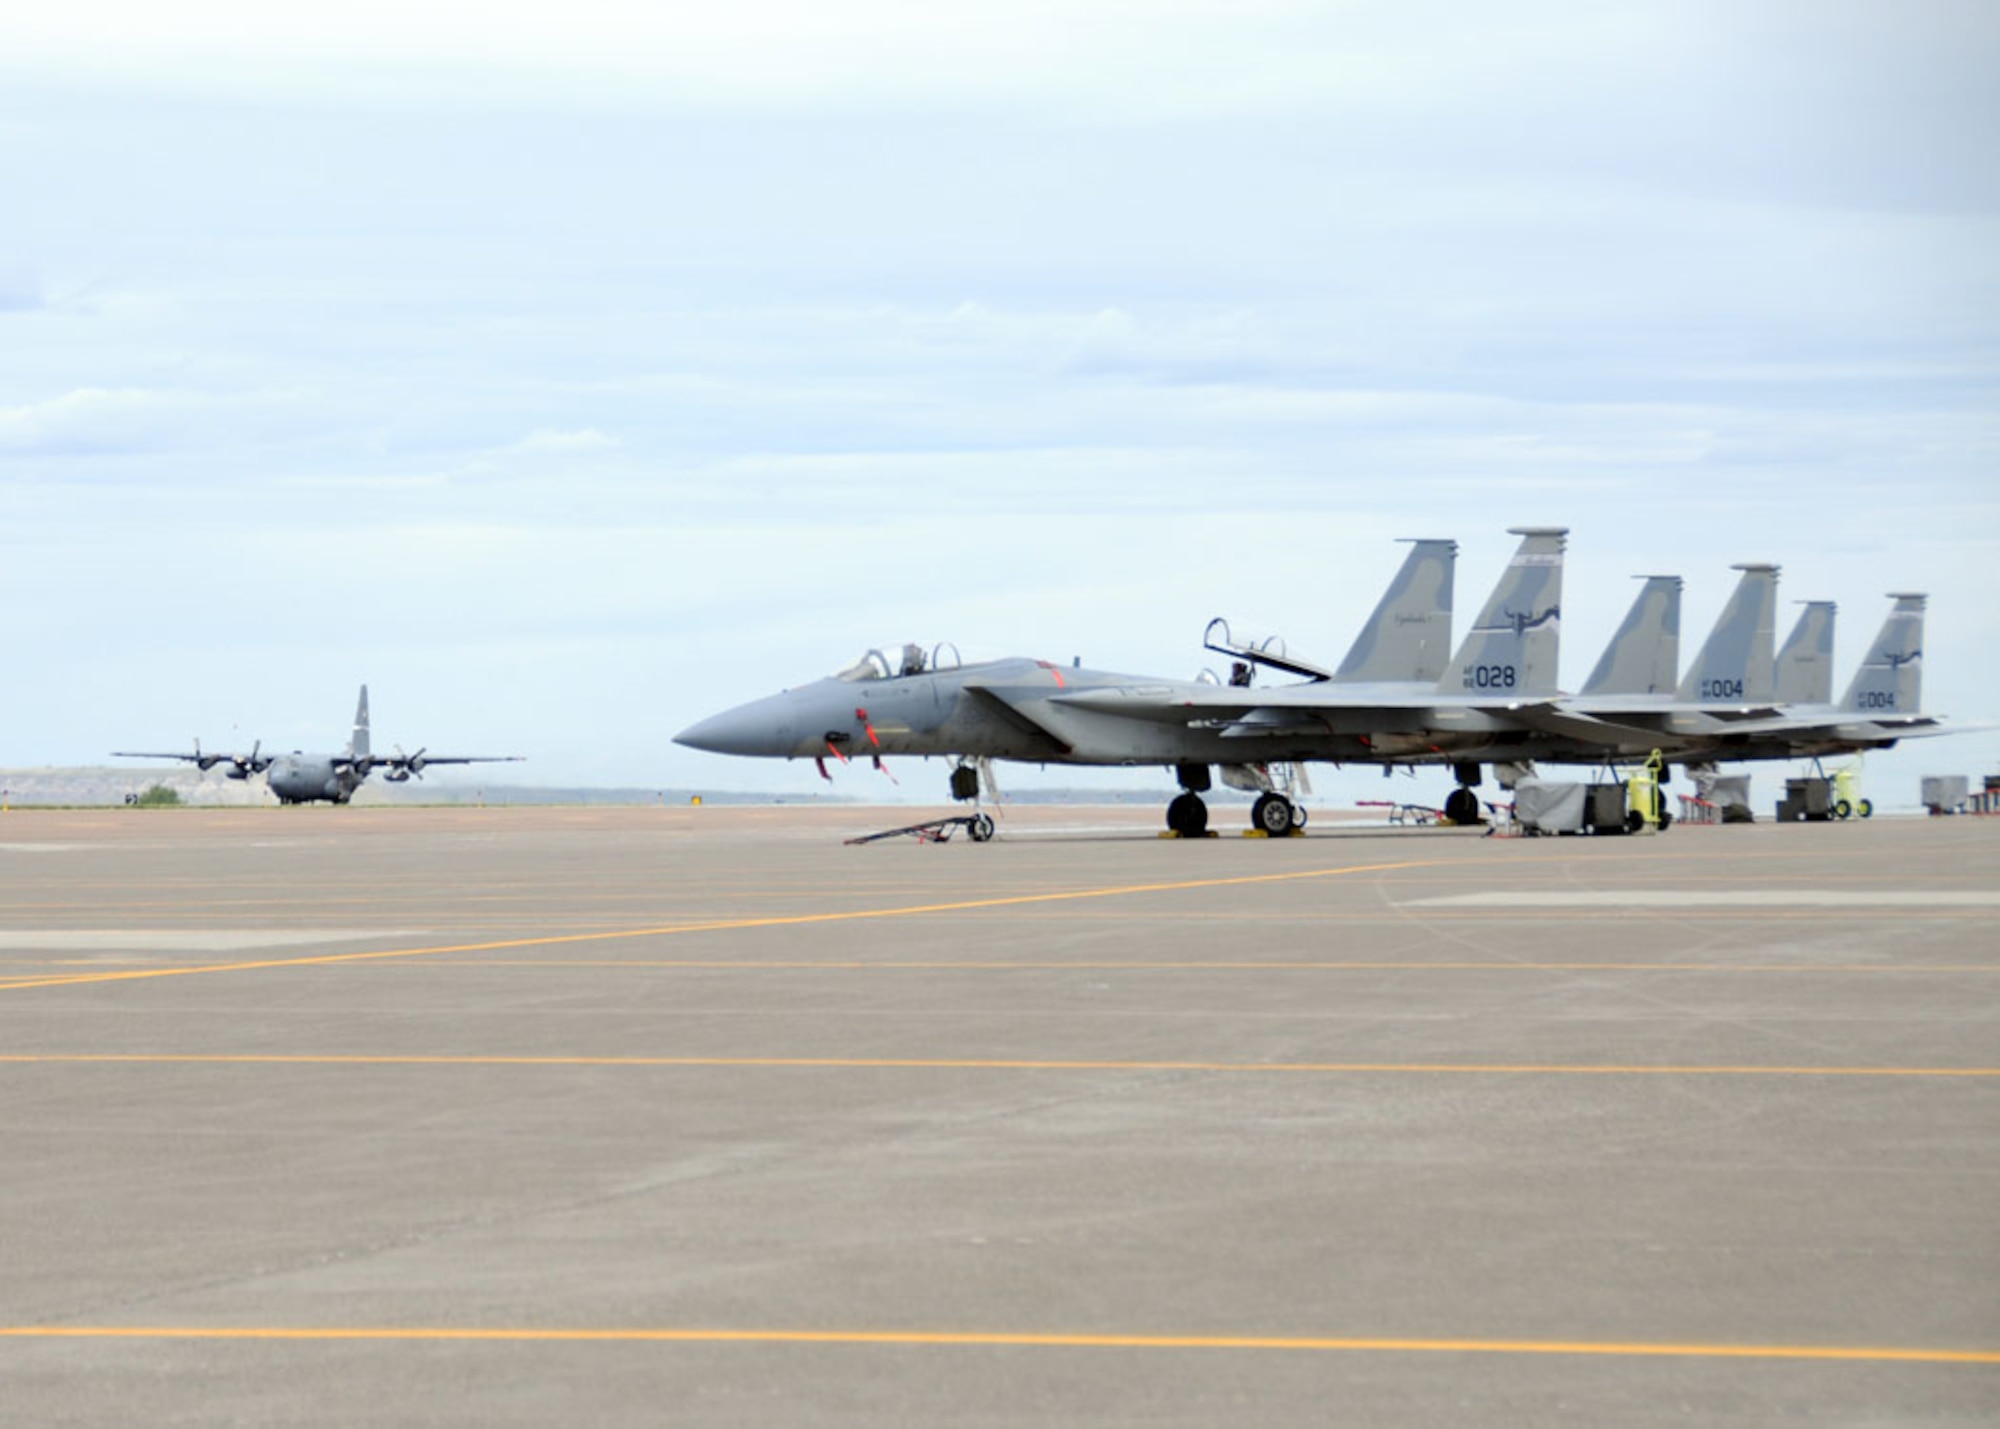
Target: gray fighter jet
1394 700
300 778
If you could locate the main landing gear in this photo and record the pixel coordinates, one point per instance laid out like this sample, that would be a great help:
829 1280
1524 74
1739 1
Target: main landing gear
1273 815
1187 815
1461 805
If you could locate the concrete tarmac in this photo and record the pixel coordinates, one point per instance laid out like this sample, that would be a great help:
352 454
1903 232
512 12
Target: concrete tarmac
530 1116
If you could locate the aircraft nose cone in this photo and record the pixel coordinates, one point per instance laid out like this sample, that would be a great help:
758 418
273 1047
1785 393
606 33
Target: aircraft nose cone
760 727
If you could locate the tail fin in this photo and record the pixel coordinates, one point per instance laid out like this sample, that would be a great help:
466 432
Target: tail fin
1409 635
1805 664
358 745
1891 677
1644 655
1735 662
1512 647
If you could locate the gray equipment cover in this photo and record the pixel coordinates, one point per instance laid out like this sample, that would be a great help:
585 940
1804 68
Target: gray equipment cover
1550 806
1945 791
1731 789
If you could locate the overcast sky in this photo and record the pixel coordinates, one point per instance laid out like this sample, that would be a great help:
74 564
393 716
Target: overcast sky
570 372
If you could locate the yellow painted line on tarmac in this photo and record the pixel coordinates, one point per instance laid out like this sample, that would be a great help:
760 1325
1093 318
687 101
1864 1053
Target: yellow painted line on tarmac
980 1064
914 965
1003 1339
733 924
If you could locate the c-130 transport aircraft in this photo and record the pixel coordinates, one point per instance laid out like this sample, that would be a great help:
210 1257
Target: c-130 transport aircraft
301 778
1394 700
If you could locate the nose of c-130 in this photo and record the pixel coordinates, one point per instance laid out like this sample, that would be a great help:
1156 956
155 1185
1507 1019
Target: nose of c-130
762 727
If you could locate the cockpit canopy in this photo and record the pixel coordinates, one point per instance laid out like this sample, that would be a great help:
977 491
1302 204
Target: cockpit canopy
910 660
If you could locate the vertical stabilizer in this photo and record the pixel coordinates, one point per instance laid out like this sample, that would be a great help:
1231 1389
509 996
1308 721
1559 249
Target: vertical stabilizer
358 745
1512 647
1891 677
1408 638
1805 663
1735 663
1645 654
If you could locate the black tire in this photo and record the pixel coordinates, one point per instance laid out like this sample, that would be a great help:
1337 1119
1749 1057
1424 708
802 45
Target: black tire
980 829
1461 806
1634 821
1843 810
1188 816
1666 819
1299 816
1273 814
1865 808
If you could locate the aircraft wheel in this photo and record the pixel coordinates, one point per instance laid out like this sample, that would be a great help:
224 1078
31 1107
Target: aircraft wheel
1865 809
1843 810
1273 814
980 829
1299 816
1461 806
1188 816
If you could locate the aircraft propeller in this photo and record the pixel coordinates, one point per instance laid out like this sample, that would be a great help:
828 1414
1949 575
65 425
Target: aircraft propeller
407 765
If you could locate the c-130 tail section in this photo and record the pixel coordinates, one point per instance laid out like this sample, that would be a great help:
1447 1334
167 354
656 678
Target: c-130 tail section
358 745
1512 647
1408 638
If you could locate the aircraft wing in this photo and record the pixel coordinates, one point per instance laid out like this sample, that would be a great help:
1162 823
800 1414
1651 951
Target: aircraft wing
1646 706
455 759
1548 718
1290 709
420 761
255 762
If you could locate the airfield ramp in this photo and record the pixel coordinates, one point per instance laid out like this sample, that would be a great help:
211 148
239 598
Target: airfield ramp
504 1116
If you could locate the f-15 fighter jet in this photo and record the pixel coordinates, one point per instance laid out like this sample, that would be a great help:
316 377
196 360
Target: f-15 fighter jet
1393 700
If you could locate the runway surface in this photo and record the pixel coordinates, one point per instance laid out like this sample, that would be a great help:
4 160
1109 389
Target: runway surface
521 1116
